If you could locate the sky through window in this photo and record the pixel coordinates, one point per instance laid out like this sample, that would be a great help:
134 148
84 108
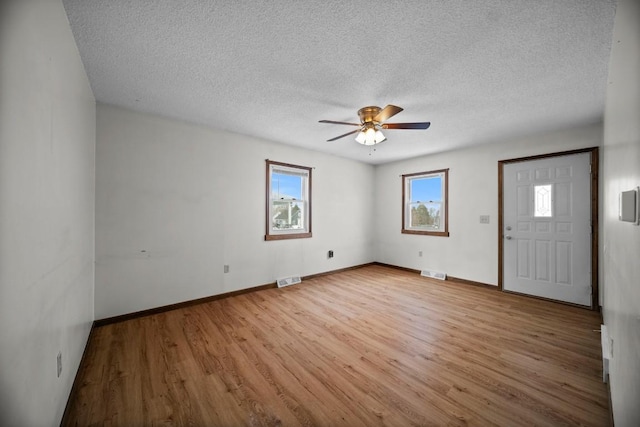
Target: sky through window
427 189
287 186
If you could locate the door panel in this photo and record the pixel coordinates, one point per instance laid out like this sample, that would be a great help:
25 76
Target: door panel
547 228
564 262
542 261
523 258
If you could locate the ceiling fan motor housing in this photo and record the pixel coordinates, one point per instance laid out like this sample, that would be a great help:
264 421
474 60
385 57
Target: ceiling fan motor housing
367 114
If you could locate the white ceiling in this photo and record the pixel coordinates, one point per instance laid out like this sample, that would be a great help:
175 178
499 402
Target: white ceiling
479 71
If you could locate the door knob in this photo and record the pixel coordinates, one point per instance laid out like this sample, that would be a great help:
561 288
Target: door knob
507 237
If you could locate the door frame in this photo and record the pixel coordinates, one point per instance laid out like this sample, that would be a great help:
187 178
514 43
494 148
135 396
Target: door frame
594 151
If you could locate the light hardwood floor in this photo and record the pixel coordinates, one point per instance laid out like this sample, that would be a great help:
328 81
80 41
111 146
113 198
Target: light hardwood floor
365 347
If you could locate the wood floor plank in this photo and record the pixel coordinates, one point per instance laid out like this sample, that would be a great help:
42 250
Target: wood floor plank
364 347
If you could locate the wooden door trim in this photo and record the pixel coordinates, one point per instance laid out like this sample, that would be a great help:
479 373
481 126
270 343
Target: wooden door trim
594 151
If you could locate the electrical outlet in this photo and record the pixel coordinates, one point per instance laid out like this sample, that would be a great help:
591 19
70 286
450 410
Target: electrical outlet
226 268
330 254
419 253
59 363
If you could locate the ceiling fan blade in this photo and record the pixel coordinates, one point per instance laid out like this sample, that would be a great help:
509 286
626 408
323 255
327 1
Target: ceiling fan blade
386 113
420 125
342 136
339 123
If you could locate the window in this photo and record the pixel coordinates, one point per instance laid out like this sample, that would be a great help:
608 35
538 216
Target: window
288 201
542 201
424 203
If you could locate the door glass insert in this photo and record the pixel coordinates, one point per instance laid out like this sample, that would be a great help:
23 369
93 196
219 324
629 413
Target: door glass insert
542 206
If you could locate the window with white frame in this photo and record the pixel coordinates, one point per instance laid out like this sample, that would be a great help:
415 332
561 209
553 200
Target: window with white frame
288 213
424 203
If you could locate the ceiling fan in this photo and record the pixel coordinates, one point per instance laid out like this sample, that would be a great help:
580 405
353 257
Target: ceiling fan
372 121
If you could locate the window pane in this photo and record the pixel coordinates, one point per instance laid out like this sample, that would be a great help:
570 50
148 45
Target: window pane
542 201
427 189
425 202
287 215
425 215
286 186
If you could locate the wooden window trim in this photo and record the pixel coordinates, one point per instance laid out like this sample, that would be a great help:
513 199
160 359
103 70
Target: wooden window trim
444 233
285 236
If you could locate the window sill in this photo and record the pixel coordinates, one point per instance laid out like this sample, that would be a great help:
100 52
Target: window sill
287 236
427 233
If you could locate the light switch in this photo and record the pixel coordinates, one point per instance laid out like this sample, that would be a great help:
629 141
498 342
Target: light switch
484 219
628 207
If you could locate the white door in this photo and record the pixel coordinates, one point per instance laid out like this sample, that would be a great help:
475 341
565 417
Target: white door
547 228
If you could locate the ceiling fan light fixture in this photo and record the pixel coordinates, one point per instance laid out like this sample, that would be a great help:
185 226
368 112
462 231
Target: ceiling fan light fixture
370 136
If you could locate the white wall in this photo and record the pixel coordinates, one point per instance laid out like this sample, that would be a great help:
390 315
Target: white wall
471 250
175 202
621 260
47 150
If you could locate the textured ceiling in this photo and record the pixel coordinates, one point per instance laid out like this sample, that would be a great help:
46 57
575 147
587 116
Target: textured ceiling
479 70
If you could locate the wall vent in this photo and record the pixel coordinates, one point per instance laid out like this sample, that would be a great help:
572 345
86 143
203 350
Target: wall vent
288 281
433 274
